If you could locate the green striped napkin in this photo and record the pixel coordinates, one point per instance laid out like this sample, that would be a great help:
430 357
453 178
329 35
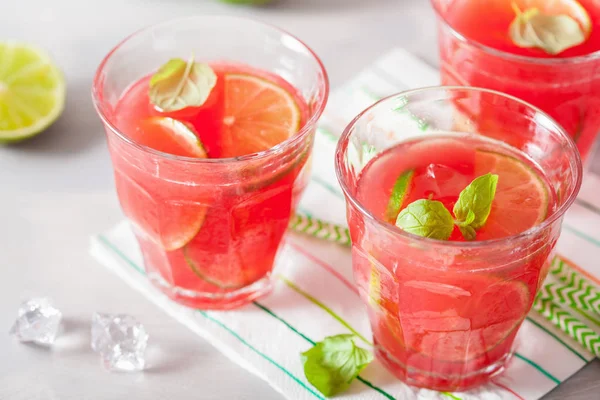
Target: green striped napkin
314 296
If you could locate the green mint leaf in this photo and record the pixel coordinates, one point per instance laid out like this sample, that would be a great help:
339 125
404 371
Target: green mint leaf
468 220
331 365
179 84
468 232
399 193
475 202
551 33
427 218
172 67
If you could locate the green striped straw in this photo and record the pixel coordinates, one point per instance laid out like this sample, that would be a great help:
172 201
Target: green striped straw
566 322
320 229
573 290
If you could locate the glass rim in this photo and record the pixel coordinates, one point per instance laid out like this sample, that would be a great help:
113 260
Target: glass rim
343 142
510 56
257 156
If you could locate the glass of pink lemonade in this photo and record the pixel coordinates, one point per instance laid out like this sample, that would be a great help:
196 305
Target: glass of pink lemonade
484 44
453 226
210 123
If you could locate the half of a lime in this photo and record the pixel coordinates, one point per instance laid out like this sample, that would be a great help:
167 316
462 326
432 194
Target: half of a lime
32 91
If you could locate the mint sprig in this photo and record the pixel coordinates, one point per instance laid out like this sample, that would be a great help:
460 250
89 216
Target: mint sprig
551 33
431 219
475 202
427 218
331 365
179 84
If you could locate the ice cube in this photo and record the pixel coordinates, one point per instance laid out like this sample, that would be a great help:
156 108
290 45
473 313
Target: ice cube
120 340
38 321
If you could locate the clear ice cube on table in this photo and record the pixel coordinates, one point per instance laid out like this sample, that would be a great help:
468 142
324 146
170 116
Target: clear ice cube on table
120 340
37 321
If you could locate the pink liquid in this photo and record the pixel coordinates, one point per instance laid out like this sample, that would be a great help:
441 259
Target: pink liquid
443 318
569 91
209 233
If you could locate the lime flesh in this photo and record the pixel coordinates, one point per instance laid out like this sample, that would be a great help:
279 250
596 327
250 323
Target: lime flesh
32 91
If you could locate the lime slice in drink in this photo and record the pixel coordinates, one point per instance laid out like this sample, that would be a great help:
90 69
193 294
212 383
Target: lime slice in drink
259 114
174 223
32 91
522 198
225 277
399 195
171 136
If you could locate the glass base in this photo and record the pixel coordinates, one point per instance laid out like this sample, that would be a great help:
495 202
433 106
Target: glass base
442 383
214 301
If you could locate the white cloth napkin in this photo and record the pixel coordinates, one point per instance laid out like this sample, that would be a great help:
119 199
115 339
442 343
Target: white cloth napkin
267 337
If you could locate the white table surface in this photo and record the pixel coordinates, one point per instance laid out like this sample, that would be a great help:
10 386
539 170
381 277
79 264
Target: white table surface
57 189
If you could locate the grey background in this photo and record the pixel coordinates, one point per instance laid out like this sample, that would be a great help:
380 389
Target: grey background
57 189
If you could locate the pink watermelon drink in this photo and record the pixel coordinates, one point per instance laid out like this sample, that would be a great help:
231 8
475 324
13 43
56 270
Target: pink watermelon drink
489 43
209 157
447 281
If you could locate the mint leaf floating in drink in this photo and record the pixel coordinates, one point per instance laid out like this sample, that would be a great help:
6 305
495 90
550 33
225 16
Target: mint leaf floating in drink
426 218
474 204
399 193
431 219
179 84
475 201
466 228
331 365
553 33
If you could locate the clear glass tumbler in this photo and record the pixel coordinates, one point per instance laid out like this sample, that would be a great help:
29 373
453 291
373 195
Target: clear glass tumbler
568 89
444 314
210 229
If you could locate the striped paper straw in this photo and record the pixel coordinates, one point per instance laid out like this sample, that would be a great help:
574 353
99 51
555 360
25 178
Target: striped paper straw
566 322
320 229
574 291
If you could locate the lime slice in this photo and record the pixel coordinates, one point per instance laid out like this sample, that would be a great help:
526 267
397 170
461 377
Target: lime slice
399 194
172 223
374 287
223 278
171 136
259 114
32 91
522 197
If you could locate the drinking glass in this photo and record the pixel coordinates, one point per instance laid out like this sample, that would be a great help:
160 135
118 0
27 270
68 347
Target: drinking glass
568 89
223 219
434 306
